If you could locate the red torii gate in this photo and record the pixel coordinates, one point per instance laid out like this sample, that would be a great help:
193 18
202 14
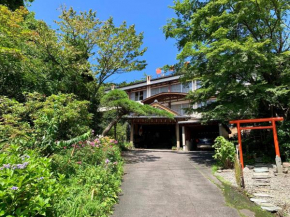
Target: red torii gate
273 127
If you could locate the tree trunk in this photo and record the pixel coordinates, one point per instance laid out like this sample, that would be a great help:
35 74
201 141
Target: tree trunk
108 128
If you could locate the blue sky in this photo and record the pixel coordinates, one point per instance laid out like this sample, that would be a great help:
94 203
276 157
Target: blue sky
149 16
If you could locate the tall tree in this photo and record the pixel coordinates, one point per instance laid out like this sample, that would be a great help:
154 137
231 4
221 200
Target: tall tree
78 58
14 4
240 52
118 101
109 49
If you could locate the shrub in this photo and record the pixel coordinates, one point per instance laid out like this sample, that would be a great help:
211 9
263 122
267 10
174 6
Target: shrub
14 127
41 121
224 152
125 146
93 170
284 138
28 187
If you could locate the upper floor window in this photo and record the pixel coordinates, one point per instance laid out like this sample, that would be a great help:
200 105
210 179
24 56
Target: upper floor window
198 84
157 90
181 88
187 87
138 96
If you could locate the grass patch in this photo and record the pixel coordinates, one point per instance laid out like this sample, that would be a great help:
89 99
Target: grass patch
238 199
214 168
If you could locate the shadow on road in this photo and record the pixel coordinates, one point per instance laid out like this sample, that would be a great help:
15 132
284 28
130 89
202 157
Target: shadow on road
139 156
200 157
150 155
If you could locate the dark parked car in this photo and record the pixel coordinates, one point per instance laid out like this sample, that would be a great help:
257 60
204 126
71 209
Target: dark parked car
204 143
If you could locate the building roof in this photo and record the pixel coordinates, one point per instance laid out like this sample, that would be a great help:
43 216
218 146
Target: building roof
164 96
152 81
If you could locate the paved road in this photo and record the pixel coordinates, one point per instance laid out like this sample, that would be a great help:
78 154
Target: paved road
161 183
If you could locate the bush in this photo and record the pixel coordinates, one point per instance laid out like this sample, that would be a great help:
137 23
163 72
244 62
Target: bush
125 146
93 171
284 138
224 152
41 121
28 187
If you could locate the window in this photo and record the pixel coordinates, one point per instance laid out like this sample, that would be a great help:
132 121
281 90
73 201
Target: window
163 89
176 88
139 95
154 91
180 108
201 104
157 90
198 84
187 87
132 96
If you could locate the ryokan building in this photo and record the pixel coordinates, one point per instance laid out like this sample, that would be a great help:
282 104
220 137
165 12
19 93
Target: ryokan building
169 94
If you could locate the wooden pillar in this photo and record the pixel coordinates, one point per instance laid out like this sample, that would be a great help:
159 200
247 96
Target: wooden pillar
275 138
278 158
132 133
240 145
177 136
183 137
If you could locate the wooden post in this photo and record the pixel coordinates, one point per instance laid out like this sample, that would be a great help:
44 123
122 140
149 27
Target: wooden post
240 145
275 139
177 136
132 133
278 157
183 138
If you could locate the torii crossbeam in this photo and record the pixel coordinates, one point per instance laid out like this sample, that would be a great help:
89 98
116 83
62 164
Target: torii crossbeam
273 127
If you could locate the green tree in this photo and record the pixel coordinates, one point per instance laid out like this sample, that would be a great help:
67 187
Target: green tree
240 52
78 58
118 100
109 49
14 4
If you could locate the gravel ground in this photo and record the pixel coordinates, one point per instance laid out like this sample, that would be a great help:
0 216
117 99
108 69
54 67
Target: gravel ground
279 188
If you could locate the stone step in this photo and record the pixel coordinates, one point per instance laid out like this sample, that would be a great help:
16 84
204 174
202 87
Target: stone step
261 170
261 174
262 180
258 200
267 204
271 209
261 184
262 195
261 177
261 165
263 189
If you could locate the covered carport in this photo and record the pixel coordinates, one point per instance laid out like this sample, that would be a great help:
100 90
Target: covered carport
155 132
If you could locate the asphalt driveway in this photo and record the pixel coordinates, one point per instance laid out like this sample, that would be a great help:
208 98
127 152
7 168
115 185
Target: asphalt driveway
163 183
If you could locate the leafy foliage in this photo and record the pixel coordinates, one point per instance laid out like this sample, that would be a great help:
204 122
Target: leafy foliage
41 121
239 50
14 4
118 100
28 187
93 170
284 138
224 152
111 49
